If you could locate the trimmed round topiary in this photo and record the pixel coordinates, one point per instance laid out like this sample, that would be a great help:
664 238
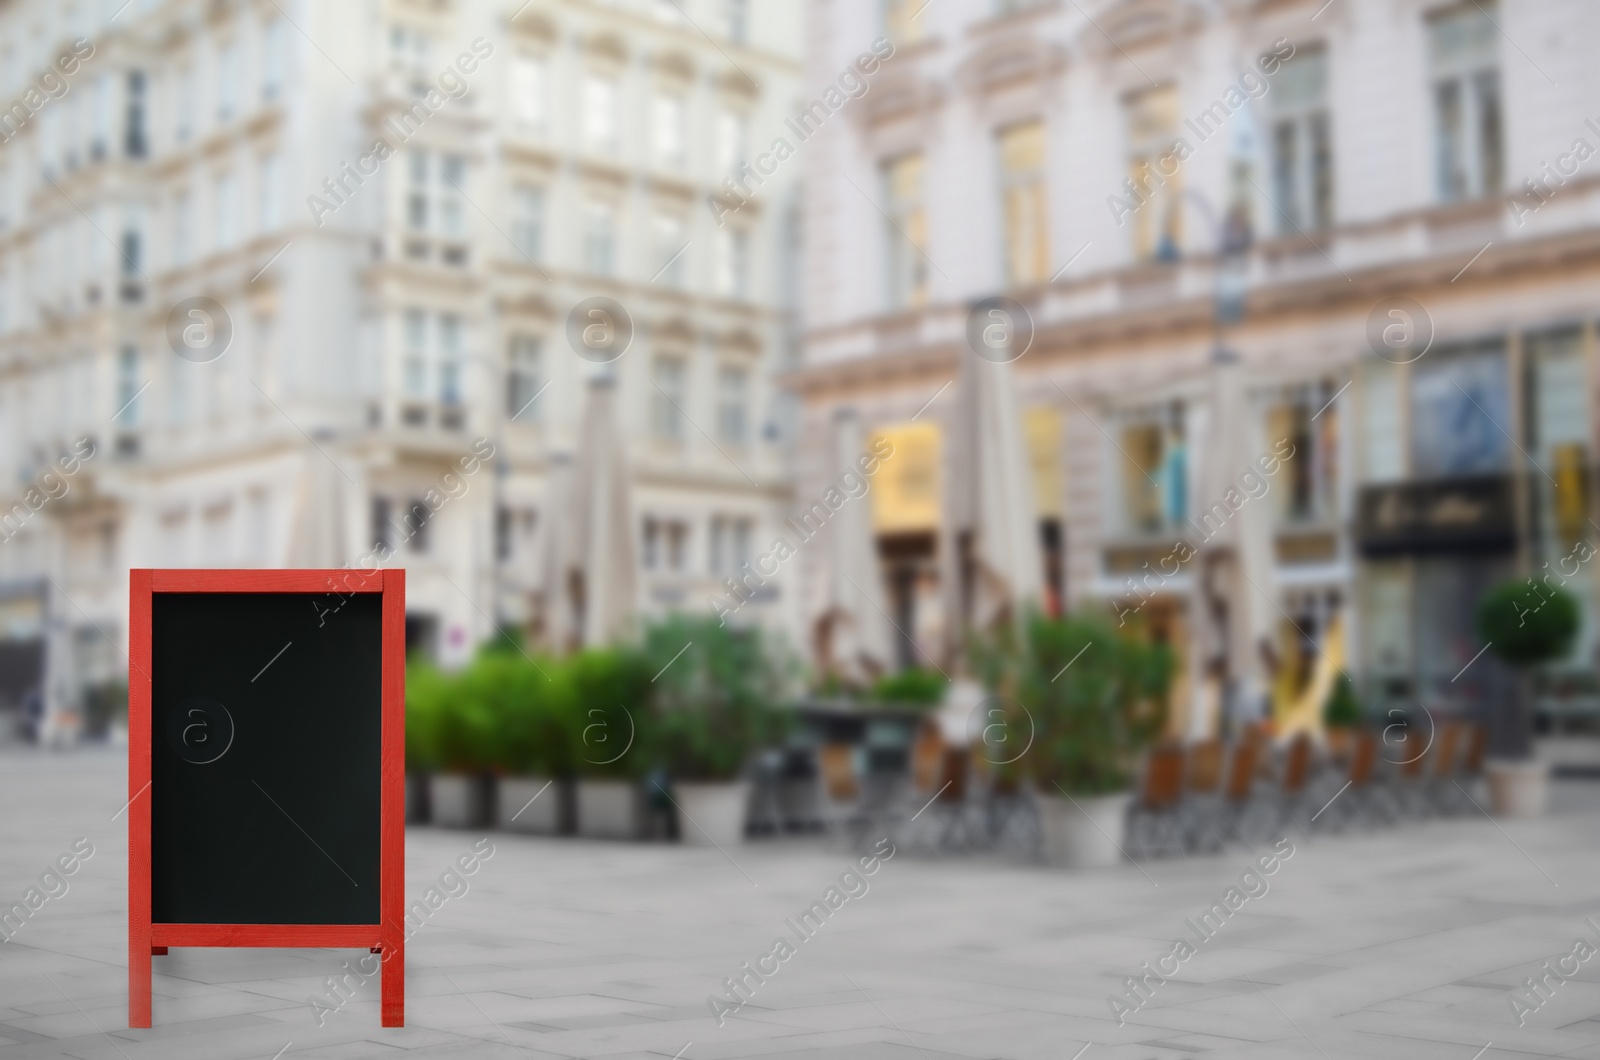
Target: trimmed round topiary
1526 623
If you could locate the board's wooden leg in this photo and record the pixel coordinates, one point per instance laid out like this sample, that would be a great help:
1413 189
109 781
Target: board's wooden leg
159 951
139 983
394 986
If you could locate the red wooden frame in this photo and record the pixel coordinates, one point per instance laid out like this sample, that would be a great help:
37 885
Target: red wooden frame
386 937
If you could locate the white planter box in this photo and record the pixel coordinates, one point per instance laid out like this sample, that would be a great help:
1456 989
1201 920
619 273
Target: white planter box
712 814
515 813
1086 835
609 809
458 800
1518 789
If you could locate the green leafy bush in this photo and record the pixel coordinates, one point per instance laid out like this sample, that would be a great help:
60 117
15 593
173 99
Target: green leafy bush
913 686
1342 710
1525 624
711 703
613 728
1090 718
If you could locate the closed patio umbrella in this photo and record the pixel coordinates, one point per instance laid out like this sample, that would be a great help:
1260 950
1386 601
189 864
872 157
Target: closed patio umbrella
317 535
852 616
992 566
1235 541
602 548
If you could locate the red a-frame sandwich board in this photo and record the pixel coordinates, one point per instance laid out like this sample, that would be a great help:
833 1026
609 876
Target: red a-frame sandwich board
387 937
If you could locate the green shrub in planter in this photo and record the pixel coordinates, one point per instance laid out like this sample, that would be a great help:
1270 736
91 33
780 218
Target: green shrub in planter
911 687
609 712
428 692
711 706
522 710
1524 625
1342 709
1092 718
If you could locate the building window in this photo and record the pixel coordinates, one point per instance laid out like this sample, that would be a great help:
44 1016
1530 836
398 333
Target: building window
452 187
416 526
268 181
1151 117
417 191
599 239
134 141
1460 400
180 229
382 531
1463 56
906 233
449 359
731 145
1154 477
1308 484
670 248
227 82
272 59
666 544
225 204
730 545
183 104
670 378
651 542
529 88
600 113
902 21
667 128
733 263
513 530
1302 145
736 19
733 398
523 371
527 220
415 368
128 387
1022 203
408 48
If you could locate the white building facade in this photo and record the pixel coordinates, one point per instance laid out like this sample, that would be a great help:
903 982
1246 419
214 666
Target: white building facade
292 280
1154 180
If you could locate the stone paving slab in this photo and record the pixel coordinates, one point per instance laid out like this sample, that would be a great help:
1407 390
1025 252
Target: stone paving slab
1399 943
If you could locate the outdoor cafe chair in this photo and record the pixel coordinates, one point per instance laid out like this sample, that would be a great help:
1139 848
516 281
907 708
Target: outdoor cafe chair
1268 814
1202 799
844 808
1156 814
1008 809
1468 771
936 800
1438 784
1352 800
1213 830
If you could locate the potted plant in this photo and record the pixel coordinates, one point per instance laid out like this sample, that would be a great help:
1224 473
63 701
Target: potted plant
1094 698
1524 625
1341 716
426 692
610 690
710 712
912 687
461 789
531 702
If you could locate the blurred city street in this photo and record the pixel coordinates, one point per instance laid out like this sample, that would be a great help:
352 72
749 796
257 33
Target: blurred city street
572 948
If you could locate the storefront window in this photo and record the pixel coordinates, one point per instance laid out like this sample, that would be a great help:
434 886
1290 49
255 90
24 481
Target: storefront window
1155 471
1308 418
1460 414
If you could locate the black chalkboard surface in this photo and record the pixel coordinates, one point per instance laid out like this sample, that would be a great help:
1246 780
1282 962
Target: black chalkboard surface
265 735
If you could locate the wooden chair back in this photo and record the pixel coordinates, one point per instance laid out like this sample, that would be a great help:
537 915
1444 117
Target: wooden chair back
1297 765
1477 747
1163 777
953 778
1444 761
927 758
1242 770
1205 766
837 764
1363 750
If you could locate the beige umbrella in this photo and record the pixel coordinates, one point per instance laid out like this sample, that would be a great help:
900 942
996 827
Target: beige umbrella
601 522
991 563
556 562
853 611
1235 537
317 536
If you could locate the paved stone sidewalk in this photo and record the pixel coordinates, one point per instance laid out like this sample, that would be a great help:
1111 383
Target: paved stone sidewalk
1404 943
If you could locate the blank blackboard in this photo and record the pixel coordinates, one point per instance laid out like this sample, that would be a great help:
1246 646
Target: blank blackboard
266 740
